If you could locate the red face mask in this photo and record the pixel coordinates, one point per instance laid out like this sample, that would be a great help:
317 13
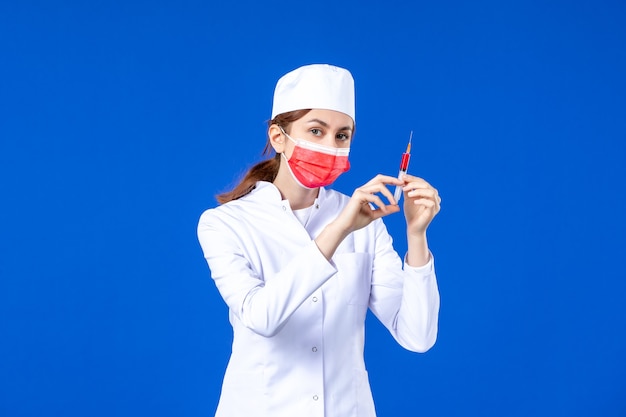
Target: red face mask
314 165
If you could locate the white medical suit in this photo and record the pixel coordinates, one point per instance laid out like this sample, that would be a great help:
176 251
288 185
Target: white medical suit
298 319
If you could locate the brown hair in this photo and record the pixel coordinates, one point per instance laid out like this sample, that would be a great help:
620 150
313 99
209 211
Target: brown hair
265 170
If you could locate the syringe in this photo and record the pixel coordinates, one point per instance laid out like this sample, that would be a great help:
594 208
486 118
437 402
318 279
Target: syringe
404 166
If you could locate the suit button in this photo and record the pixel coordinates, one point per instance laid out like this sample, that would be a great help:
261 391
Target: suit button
314 349
315 299
315 398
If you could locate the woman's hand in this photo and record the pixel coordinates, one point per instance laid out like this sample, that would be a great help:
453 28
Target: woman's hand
359 212
421 204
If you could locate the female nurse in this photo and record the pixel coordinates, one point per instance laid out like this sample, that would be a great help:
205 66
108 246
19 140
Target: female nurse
299 264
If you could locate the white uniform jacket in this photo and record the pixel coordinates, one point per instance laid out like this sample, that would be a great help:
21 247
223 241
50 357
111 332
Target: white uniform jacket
298 319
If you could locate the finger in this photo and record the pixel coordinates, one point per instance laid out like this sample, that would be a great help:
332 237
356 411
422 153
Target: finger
425 202
385 179
382 211
374 199
416 185
419 182
379 184
423 193
380 188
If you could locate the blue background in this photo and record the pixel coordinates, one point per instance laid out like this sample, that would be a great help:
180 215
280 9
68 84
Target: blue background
120 121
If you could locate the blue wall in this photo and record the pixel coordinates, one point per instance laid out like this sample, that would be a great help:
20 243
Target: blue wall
119 122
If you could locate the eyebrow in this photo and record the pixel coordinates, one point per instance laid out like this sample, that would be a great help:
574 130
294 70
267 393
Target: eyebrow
323 123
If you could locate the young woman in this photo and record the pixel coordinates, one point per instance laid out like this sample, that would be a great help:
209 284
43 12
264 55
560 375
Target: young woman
299 264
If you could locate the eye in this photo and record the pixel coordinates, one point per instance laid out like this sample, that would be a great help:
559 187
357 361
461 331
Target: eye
316 131
342 137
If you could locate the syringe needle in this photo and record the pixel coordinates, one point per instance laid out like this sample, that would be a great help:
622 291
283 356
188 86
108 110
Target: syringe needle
404 166
408 147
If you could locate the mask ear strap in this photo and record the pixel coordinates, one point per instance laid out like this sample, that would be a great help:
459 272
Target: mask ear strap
283 152
286 134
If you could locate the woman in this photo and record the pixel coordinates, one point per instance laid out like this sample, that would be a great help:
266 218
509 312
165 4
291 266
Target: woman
299 265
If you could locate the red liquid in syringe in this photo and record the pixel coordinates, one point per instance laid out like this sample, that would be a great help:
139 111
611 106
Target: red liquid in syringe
404 166
404 163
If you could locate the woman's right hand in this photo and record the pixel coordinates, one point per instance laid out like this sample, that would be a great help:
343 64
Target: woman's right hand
359 212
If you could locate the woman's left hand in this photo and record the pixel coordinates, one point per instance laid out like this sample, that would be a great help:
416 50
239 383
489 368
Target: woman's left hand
421 204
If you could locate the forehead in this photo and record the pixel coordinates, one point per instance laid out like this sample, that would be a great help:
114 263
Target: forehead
331 118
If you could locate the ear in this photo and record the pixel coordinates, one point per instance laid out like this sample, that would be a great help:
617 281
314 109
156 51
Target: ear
276 137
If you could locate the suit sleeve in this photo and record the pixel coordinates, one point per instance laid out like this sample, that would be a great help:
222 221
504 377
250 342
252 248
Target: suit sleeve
262 304
405 300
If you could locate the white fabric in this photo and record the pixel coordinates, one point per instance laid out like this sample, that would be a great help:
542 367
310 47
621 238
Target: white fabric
298 320
317 86
303 215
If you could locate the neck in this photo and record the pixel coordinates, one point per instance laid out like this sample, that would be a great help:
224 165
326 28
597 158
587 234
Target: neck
298 196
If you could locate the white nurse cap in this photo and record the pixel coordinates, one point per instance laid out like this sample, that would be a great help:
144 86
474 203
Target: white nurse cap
317 86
